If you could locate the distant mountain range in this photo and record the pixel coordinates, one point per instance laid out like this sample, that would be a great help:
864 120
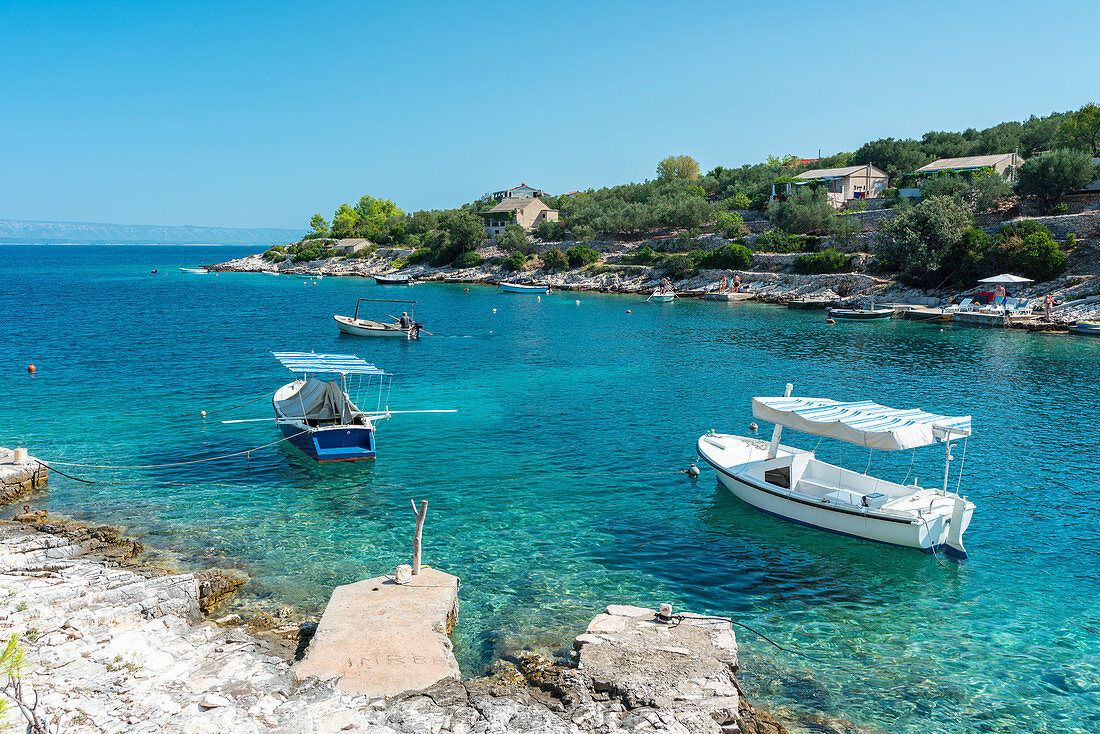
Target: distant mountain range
23 232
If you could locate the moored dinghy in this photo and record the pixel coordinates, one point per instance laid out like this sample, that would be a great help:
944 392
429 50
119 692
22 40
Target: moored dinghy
793 484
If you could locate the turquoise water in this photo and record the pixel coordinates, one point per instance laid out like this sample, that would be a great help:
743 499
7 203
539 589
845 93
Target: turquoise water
557 488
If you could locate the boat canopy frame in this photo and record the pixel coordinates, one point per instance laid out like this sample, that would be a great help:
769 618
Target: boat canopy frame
384 300
311 363
863 423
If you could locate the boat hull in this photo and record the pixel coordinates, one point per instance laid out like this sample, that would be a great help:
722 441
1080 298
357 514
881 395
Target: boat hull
1085 328
927 534
196 271
662 297
727 296
860 314
362 327
517 288
331 443
380 280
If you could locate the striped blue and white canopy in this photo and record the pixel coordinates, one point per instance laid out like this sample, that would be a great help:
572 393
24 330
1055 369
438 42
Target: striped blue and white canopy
343 364
864 423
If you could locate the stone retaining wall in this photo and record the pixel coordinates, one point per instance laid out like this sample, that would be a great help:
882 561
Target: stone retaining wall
1083 225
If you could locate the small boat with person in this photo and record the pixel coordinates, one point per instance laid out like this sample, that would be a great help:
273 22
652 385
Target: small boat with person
319 417
404 326
793 484
663 293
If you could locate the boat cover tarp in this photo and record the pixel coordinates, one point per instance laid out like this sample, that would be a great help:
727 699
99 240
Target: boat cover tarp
864 423
317 400
344 364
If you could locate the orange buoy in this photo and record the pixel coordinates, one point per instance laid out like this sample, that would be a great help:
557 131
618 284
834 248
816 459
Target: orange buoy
30 368
465 290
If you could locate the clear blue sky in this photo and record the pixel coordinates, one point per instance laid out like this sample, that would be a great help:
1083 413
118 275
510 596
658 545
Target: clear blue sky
259 114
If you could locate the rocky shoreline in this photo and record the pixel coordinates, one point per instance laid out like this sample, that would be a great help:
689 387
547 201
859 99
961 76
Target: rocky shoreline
769 281
113 645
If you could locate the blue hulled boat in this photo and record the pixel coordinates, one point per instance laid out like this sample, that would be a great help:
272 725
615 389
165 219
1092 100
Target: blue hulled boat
317 416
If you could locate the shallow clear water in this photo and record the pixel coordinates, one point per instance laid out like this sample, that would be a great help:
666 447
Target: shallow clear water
557 488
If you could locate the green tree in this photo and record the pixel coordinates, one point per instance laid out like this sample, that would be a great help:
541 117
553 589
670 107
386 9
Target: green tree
895 157
988 190
579 256
807 208
732 226
550 231
319 224
1049 177
826 261
374 212
514 239
738 201
515 261
918 241
553 259
344 221
1081 130
678 167
465 230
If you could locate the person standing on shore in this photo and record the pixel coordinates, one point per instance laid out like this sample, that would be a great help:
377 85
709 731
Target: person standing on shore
1048 304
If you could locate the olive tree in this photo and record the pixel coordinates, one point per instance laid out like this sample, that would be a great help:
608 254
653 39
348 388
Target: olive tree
1050 176
918 241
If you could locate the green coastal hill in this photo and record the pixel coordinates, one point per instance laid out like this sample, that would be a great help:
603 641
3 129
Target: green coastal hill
26 232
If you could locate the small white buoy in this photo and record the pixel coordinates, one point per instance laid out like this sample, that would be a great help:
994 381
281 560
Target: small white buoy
577 302
693 471
753 427
203 414
538 298
494 310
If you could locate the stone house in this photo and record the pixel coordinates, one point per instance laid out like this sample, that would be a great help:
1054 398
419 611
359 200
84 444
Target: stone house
350 246
523 191
850 182
1003 163
526 212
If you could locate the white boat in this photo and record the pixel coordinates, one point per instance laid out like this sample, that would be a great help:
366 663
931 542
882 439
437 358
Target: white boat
860 314
521 288
356 326
662 295
197 271
270 272
720 296
793 484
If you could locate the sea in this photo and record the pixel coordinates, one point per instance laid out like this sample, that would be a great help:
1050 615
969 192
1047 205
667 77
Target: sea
559 486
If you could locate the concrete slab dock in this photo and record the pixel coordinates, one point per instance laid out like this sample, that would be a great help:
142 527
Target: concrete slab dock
18 478
381 638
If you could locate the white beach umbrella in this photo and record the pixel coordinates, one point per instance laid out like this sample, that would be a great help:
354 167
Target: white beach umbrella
1005 278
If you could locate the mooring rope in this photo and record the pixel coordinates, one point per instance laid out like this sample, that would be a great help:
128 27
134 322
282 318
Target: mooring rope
176 463
234 407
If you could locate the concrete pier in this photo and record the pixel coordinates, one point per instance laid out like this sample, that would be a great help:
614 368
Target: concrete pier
381 638
19 478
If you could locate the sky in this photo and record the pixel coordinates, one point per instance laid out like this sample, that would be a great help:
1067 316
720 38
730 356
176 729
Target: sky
248 114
